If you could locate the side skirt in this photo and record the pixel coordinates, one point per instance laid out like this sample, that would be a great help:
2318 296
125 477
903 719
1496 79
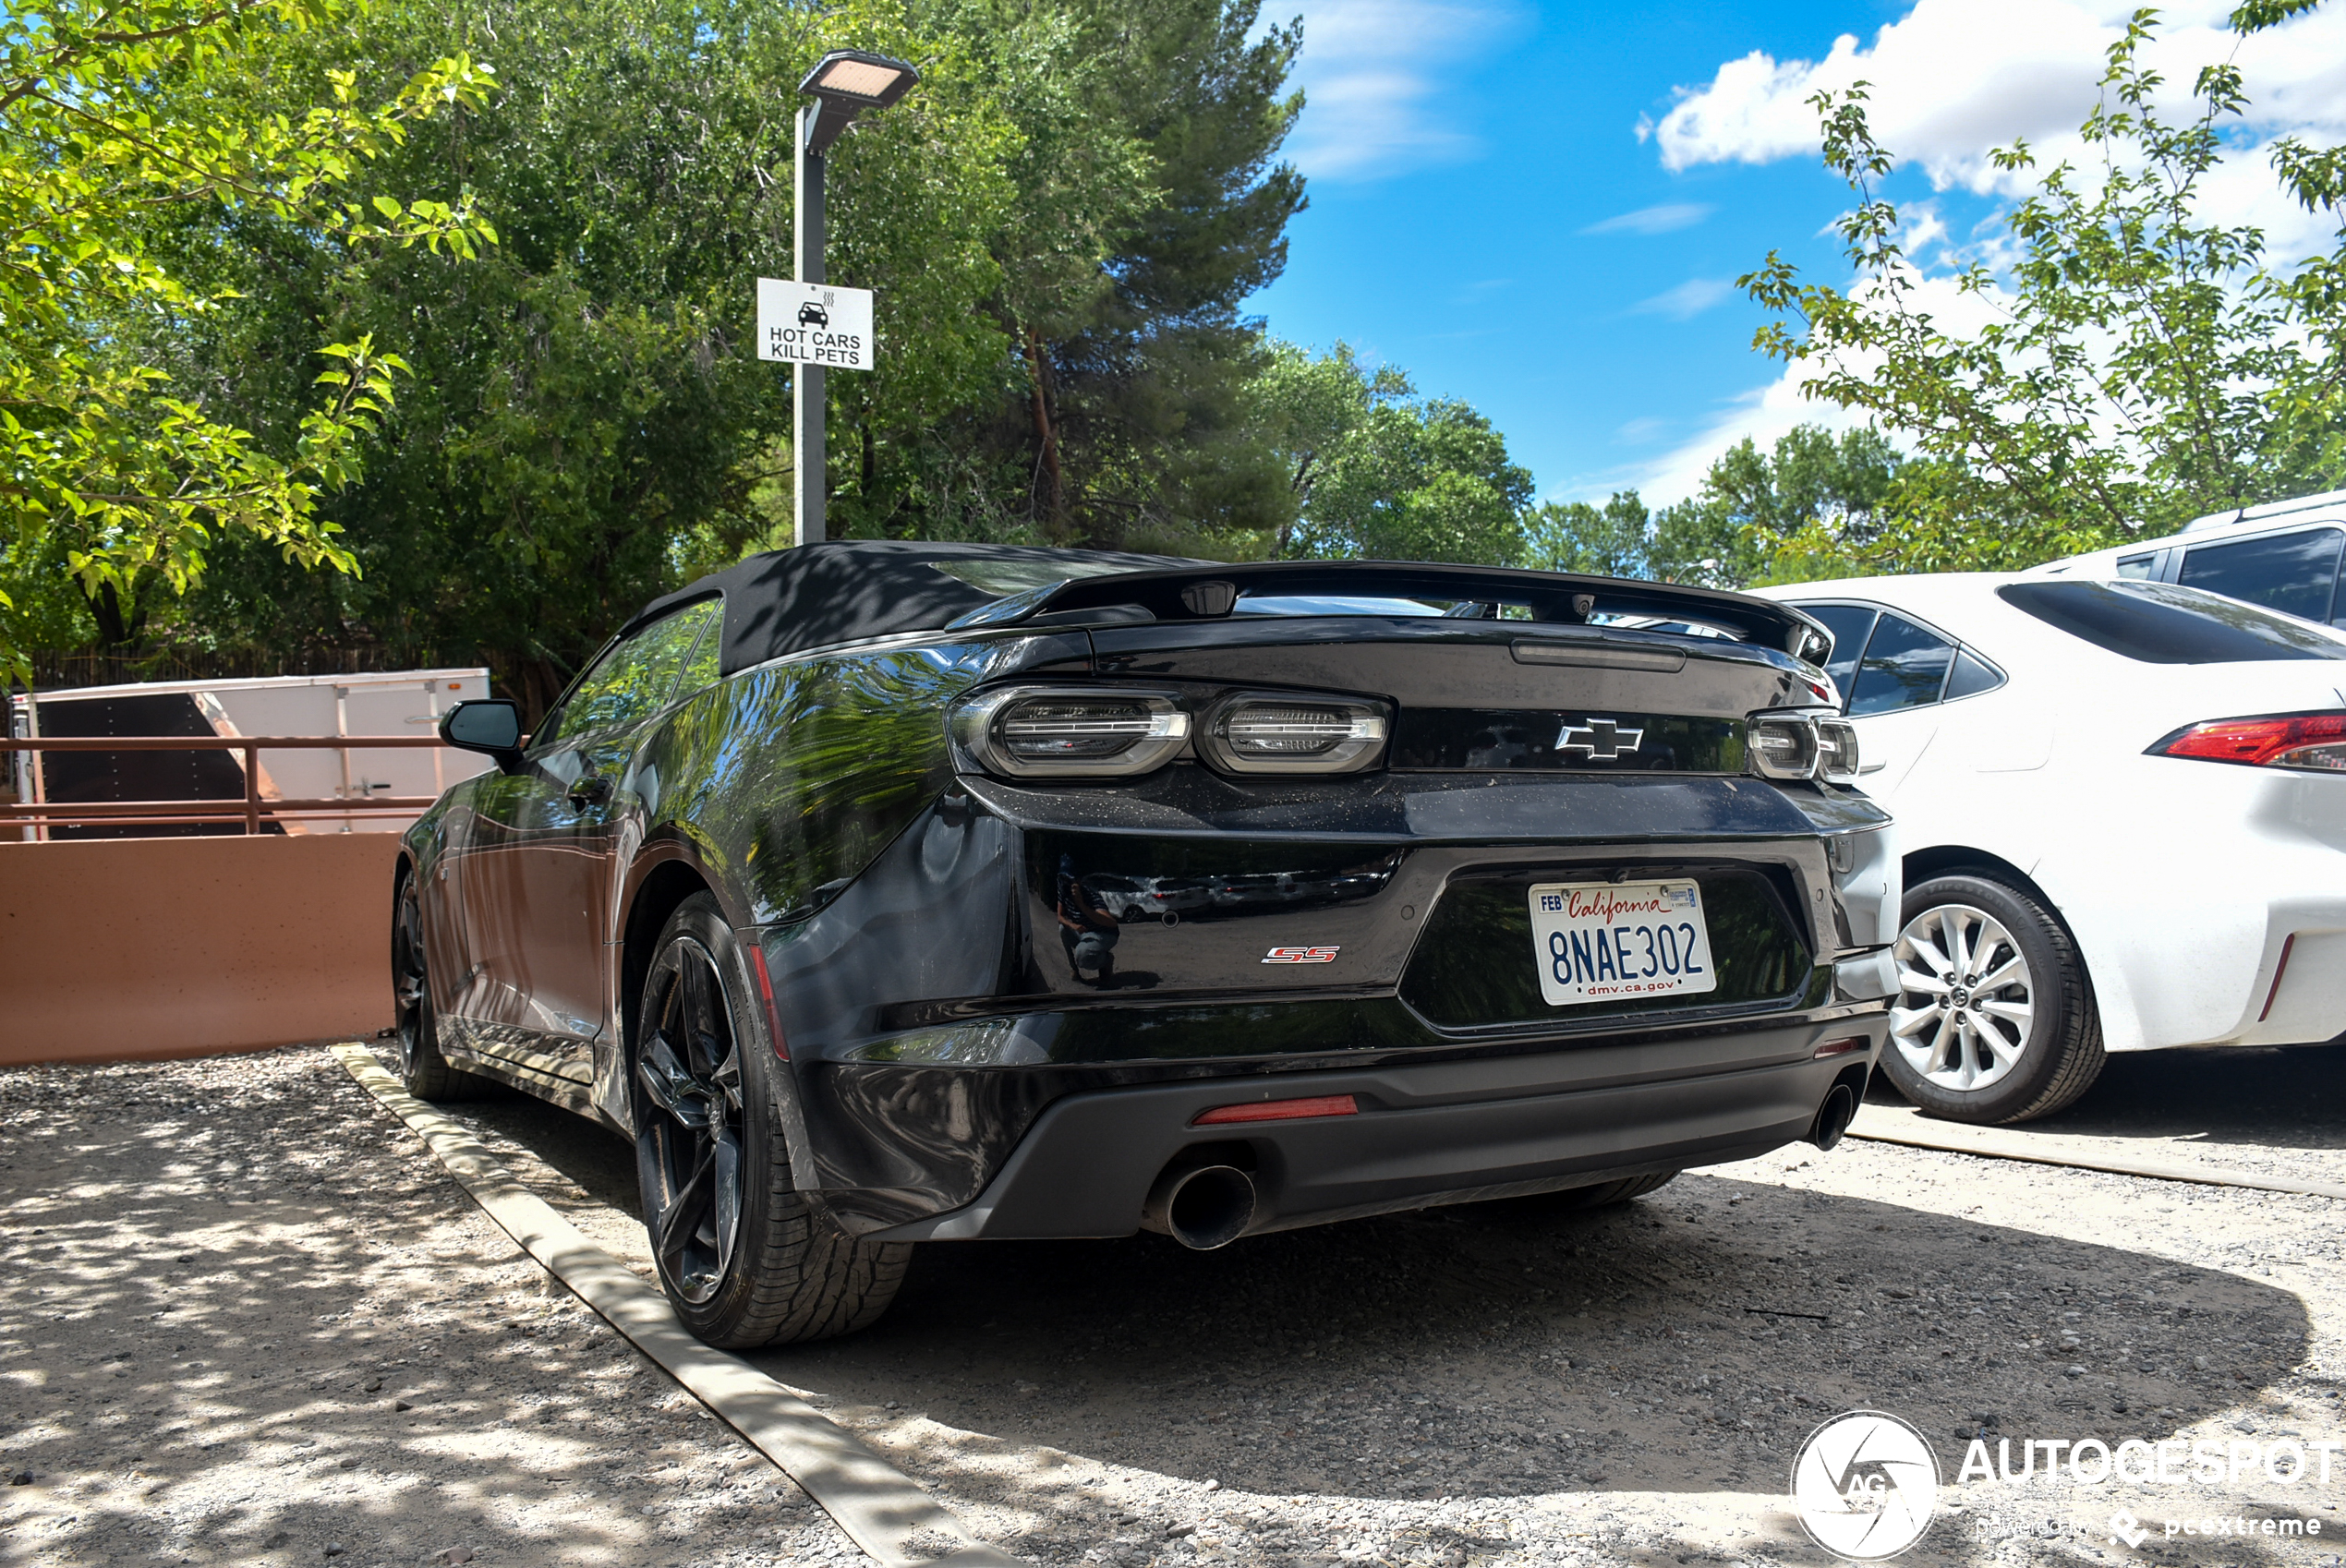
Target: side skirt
530 1079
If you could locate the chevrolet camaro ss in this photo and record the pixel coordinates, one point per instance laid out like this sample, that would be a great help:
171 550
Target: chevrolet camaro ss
887 892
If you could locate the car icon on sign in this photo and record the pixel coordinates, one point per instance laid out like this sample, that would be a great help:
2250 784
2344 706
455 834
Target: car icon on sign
812 314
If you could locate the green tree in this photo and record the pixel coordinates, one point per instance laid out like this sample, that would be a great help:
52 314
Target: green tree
587 424
1373 474
1611 541
120 115
1131 424
1836 494
1059 224
1301 409
2140 365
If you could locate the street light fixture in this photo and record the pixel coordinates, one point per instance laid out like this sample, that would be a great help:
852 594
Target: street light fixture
843 84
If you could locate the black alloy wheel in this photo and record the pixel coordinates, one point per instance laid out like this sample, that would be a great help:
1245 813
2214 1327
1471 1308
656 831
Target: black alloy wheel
423 1072
745 1257
688 1128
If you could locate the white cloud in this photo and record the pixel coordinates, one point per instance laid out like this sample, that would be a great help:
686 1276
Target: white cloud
1953 79
1665 218
1372 73
1689 299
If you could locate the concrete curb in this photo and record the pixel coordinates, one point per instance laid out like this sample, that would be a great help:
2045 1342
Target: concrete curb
879 1506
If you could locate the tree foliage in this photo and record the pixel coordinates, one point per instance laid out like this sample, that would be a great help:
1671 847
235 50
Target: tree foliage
1374 471
119 117
1059 224
2138 366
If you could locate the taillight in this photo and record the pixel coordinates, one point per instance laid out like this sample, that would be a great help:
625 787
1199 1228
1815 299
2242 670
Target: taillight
1783 745
2314 742
1802 745
1836 750
1282 734
1032 732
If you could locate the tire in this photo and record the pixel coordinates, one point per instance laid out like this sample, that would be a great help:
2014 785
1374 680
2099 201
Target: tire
1579 1199
745 1257
423 1072
1604 1194
1993 1053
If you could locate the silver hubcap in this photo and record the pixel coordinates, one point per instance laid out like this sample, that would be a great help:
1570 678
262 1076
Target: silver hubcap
1966 999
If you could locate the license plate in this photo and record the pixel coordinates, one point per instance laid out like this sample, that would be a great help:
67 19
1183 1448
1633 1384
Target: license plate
1604 941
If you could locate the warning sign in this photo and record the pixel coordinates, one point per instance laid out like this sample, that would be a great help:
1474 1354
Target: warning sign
815 324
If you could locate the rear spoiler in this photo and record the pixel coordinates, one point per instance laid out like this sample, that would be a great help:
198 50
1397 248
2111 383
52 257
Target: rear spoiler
1208 592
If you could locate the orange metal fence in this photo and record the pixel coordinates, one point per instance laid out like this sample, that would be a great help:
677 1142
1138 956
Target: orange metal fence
254 809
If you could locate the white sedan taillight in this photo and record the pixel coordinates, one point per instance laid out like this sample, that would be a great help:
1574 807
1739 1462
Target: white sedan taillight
2314 742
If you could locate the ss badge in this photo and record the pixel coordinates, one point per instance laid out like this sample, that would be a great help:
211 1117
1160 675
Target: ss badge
1301 954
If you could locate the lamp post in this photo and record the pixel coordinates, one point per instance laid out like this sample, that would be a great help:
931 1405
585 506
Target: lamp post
843 84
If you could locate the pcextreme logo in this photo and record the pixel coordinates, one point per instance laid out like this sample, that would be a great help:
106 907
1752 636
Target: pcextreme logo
1865 1486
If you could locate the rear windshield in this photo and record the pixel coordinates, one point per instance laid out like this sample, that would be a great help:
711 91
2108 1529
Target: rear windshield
1330 603
2162 623
1250 603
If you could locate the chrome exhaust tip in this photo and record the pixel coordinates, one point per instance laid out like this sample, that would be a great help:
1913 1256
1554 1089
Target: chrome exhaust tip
1202 1207
1833 1116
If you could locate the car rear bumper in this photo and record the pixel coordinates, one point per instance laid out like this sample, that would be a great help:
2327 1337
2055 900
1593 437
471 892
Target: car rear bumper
1424 1134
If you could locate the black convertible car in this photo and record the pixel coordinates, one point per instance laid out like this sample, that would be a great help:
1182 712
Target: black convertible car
886 893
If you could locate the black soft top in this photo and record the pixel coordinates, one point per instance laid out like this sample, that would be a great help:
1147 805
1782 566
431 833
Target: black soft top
789 601
847 590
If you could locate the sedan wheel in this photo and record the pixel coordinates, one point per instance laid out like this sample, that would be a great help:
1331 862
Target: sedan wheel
745 1257
1995 1018
1966 998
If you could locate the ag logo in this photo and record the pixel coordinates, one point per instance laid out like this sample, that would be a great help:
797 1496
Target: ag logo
1865 1485
1302 955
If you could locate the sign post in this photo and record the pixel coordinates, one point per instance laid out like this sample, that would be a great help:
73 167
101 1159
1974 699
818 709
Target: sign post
811 328
814 327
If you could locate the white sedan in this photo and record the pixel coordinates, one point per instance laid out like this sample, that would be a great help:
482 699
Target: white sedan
2122 811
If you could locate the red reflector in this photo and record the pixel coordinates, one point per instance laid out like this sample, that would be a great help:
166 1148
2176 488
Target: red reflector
2288 945
1280 1110
1842 1047
2261 740
765 990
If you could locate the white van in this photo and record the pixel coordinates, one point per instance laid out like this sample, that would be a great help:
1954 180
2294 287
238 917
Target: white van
2284 557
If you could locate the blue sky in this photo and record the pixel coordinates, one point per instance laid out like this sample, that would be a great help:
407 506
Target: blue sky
1486 214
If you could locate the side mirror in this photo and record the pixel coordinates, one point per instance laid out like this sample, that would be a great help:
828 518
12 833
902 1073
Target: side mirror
492 727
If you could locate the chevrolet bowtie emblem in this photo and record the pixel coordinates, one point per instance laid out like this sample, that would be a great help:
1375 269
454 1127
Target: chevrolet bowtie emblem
1601 740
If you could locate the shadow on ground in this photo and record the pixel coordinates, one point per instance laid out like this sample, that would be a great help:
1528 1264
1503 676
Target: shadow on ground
2289 1097
1686 1343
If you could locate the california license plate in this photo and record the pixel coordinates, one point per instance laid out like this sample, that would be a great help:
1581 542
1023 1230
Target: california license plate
1604 941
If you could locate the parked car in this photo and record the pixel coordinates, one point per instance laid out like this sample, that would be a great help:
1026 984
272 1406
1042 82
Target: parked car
805 886
2123 810
2285 557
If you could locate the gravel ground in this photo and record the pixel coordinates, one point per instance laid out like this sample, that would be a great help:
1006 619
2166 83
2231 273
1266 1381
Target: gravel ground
1488 1384
245 1318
